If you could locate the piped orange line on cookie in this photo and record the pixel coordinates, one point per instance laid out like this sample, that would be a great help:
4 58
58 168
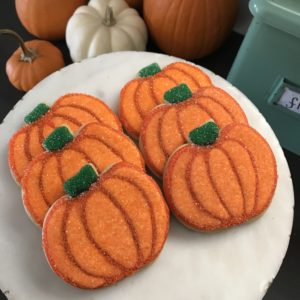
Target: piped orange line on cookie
68 250
148 202
197 200
227 180
186 73
73 110
101 217
221 96
59 259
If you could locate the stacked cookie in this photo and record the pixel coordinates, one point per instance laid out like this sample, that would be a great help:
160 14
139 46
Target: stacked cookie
216 170
84 181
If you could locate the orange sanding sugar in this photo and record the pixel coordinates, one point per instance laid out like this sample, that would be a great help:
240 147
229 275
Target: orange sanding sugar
223 184
108 232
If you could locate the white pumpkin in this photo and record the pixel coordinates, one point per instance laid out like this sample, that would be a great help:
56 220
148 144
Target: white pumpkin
104 26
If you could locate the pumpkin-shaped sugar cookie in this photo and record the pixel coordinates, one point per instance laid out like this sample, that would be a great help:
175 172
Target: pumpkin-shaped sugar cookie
167 126
108 232
73 110
140 95
218 182
42 183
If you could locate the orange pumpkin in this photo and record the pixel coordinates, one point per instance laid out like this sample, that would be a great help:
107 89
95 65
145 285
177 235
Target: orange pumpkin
223 184
108 232
42 183
46 19
191 28
73 110
31 62
140 95
167 126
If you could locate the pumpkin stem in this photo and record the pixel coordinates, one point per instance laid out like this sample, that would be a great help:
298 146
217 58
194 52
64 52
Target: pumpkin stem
178 94
82 181
58 138
109 19
36 113
28 55
149 70
205 135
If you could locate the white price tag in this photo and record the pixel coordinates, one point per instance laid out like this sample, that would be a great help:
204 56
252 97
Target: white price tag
290 100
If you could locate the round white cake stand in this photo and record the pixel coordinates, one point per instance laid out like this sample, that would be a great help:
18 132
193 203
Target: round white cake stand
234 264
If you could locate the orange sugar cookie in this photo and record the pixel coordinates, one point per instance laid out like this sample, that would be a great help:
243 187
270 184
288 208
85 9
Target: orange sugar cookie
108 232
218 182
73 110
167 126
140 95
42 183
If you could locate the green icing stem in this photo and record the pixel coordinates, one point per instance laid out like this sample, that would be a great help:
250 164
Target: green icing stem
58 138
150 70
205 135
178 94
36 113
82 181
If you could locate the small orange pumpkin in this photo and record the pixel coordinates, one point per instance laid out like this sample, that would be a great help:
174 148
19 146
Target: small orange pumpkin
218 182
191 28
31 62
46 19
108 232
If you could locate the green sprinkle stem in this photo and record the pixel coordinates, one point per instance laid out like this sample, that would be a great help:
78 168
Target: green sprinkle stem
205 135
36 113
58 138
178 94
82 181
150 70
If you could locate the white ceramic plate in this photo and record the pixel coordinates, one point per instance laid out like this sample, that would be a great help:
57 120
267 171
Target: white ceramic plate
234 264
